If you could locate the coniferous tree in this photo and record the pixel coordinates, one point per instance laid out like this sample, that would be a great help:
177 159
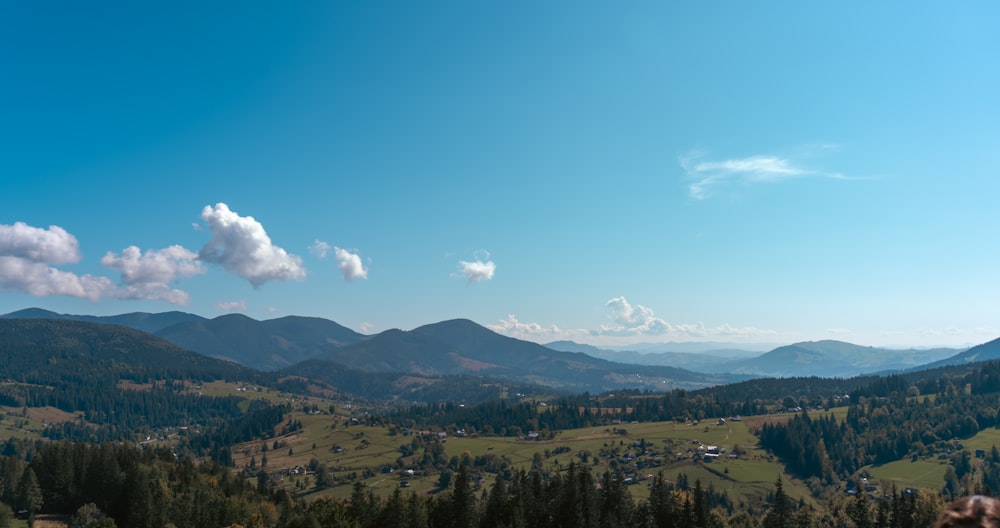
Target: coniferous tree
860 510
29 493
779 515
463 502
497 511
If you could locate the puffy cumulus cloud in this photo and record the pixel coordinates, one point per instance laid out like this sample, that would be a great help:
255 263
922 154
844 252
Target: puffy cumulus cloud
480 269
350 264
632 319
707 176
366 327
27 257
34 244
149 275
231 306
638 320
41 280
241 246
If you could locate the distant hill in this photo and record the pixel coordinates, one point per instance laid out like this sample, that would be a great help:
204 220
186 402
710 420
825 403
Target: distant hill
50 350
706 360
146 322
813 358
263 345
698 347
831 358
984 352
464 347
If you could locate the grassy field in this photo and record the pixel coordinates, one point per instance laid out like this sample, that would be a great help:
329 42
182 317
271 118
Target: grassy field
928 472
922 473
364 451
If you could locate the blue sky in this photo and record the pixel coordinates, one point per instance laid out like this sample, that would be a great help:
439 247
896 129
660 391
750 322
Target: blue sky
743 172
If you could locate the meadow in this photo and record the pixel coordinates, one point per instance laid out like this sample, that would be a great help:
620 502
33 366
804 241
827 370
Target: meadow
744 471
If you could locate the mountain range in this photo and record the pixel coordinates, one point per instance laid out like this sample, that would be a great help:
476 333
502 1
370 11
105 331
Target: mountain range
462 347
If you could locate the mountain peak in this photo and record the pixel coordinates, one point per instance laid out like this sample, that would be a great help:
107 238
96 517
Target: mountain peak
31 313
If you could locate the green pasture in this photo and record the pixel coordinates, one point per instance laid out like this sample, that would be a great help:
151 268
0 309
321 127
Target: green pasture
928 472
985 440
924 473
364 450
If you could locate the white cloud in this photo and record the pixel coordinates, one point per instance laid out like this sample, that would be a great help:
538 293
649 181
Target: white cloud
350 264
366 327
631 323
156 265
41 280
51 246
638 320
149 276
480 269
705 177
742 332
632 320
241 246
320 248
512 327
27 256
231 306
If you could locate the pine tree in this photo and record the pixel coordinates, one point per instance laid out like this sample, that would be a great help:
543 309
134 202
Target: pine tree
29 493
463 501
780 513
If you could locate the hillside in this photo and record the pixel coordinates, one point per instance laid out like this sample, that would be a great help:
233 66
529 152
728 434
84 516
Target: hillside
146 322
110 383
264 345
984 352
464 347
50 349
708 360
831 358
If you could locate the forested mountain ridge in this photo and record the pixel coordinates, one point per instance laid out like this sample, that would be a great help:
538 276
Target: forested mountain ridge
50 349
264 345
146 322
464 347
984 352
79 367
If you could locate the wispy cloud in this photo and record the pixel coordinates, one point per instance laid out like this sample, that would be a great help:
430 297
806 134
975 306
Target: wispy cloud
512 327
231 306
320 248
480 269
705 177
628 323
